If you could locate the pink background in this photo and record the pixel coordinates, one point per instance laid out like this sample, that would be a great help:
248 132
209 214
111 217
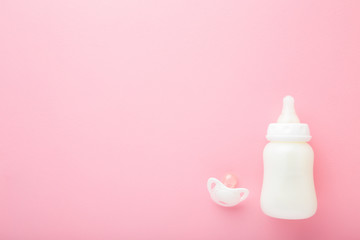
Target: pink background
113 114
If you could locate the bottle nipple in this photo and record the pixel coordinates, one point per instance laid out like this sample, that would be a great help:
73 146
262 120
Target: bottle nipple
288 114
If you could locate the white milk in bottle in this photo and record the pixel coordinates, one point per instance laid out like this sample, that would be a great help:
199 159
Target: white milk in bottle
288 190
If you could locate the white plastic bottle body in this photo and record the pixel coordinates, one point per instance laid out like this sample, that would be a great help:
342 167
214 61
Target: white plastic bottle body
288 190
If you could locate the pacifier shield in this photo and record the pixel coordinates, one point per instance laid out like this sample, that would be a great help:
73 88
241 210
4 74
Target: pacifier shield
226 196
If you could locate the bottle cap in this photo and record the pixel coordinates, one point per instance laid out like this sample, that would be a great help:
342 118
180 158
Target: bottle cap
288 127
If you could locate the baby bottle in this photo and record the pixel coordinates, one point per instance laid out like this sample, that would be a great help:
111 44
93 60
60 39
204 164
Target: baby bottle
288 190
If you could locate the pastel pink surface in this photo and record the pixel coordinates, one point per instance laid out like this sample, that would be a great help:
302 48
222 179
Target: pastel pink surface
113 114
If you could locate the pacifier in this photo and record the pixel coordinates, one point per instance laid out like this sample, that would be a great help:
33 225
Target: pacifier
225 194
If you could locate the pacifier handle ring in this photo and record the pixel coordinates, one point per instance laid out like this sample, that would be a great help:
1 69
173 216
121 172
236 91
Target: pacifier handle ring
210 183
245 192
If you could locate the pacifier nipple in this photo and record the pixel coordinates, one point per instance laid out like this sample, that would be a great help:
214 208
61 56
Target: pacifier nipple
225 194
288 114
230 180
